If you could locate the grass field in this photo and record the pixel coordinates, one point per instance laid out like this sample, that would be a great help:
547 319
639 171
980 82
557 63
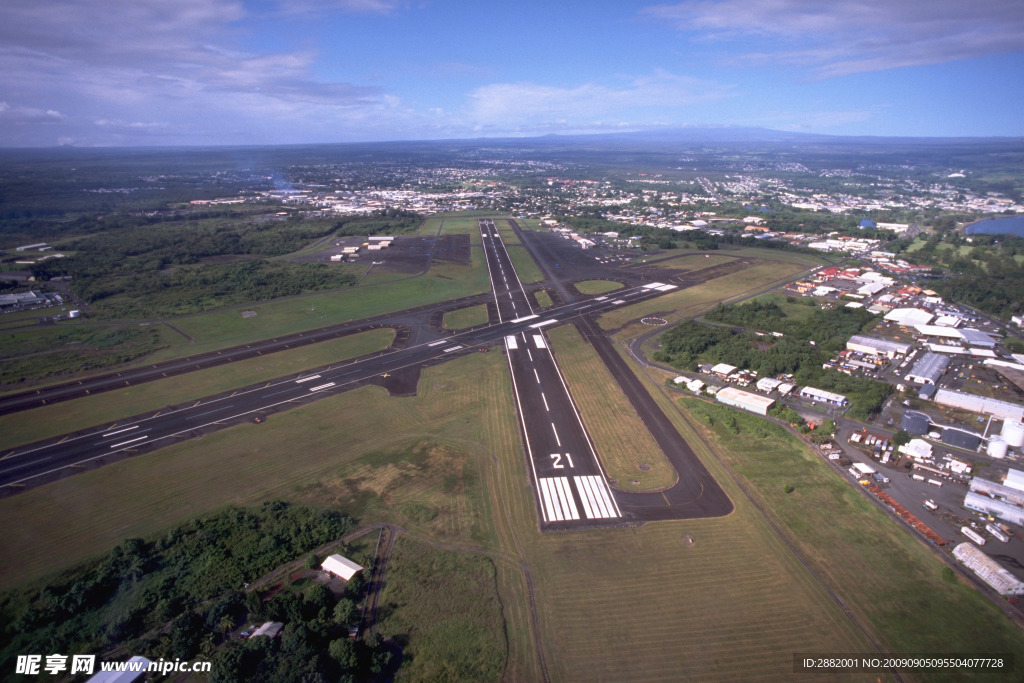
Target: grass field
543 299
445 608
61 418
597 286
694 300
841 534
466 317
415 461
691 261
620 436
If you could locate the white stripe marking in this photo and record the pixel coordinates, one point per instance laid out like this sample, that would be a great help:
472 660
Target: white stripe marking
545 399
524 318
322 386
565 494
510 342
121 431
536 375
586 497
546 496
546 322
437 343
454 348
125 443
306 379
557 440
538 339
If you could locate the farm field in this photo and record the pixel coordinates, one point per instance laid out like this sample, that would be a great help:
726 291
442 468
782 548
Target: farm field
61 418
620 437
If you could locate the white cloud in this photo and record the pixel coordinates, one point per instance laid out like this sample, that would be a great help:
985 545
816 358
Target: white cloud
120 61
838 38
18 115
653 99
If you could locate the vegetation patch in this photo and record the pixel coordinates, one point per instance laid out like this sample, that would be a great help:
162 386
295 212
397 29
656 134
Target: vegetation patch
807 342
172 595
466 317
597 286
38 353
444 611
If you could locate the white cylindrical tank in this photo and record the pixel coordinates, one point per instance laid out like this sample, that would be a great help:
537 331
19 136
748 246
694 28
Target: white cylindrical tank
1013 433
997 448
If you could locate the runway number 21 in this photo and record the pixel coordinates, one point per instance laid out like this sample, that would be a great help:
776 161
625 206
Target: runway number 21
557 457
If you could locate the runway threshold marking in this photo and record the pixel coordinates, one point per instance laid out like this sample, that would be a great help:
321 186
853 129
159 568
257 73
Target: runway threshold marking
595 495
510 342
538 340
557 497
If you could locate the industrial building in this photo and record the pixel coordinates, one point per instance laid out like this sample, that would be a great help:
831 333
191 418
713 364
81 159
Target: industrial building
768 384
997 508
909 317
915 423
988 570
1005 493
723 369
1014 480
755 403
823 396
340 566
979 404
961 438
928 369
877 347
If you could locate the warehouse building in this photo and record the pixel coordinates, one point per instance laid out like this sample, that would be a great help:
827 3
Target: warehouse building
979 404
877 347
997 508
1007 494
755 403
908 317
928 369
823 396
723 369
988 570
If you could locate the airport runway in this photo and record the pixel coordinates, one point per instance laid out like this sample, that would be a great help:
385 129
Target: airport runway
571 489
38 463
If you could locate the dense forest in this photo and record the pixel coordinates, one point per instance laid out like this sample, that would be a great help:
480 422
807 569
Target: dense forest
807 343
180 594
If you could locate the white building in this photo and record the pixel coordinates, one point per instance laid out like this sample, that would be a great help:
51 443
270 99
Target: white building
877 347
979 404
755 403
988 570
823 396
340 566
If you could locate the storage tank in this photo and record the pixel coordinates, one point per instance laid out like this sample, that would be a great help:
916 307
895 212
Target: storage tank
997 448
1013 433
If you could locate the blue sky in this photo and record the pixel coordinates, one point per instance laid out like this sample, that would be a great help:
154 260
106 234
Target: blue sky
228 72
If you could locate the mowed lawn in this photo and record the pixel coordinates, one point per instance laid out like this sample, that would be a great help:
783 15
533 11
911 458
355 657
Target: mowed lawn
466 317
692 301
61 418
622 440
